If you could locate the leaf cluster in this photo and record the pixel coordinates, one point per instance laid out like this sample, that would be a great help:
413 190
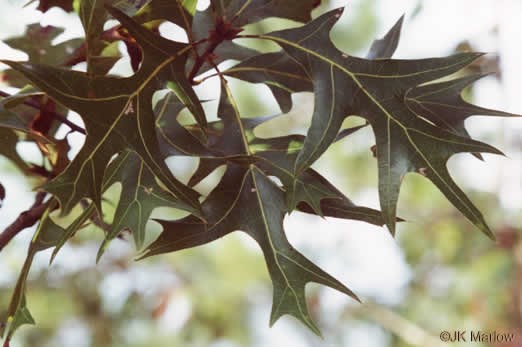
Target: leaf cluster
414 108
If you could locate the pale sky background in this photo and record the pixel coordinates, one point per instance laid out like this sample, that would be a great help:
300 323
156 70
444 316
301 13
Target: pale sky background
363 256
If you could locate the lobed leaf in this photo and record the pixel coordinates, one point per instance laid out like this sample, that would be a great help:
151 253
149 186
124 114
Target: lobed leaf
442 104
385 47
117 113
139 197
417 120
256 206
251 11
375 90
284 76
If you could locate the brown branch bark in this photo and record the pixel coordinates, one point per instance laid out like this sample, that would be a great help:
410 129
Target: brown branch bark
25 220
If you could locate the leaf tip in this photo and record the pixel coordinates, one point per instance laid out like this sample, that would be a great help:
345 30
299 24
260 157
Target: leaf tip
143 255
338 13
391 228
55 252
478 54
102 250
486 230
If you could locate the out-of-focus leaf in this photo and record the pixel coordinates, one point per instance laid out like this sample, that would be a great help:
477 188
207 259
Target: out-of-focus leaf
130 7
43 121
12 78
375 90
128 119
13 120
57 155
179 12
9 141
109 56
37 43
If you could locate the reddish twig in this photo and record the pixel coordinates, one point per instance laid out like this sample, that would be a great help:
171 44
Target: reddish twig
202 59
25 220
223 31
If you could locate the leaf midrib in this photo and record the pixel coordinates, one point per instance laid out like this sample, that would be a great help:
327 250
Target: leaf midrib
274 250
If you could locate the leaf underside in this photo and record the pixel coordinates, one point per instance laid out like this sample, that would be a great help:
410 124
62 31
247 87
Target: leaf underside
418 123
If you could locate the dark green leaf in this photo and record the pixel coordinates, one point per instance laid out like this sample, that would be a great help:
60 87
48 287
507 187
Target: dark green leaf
93 16
127 168
375 89
247 200
251 11
72 229
139 197
173 138
101 55
179 12
310 192
127 121
385 47
278 71
442 104
284 76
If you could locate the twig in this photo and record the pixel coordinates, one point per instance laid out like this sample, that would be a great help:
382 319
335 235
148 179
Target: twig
25 220
222 32
202 59
409 332
56 115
